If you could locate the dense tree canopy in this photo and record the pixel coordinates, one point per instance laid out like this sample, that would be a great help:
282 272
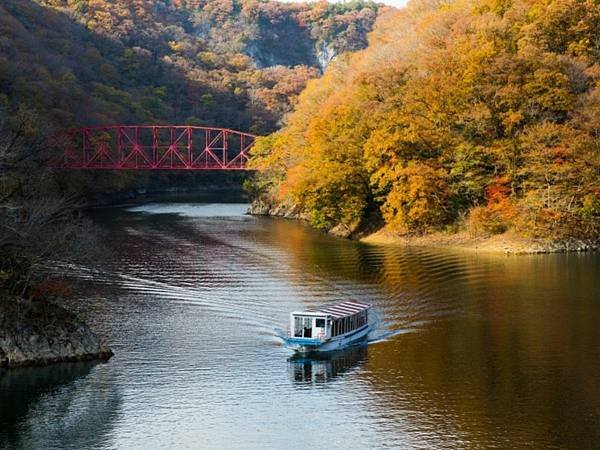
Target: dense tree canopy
481 113
238 64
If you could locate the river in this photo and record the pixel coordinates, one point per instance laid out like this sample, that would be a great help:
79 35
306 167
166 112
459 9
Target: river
469 350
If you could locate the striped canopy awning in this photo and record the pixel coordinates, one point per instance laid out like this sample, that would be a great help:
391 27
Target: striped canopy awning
343 309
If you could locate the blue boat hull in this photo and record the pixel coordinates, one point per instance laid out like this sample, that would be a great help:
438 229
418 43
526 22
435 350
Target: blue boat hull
307 345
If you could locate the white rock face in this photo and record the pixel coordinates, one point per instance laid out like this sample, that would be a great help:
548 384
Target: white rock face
325 54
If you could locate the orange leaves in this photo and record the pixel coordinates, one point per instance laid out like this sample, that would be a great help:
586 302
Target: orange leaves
500 213
511 120
485 221
498 190
488 107
218 10
417 199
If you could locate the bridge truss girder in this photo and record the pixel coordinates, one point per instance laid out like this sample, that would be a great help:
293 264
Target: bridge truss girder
154 147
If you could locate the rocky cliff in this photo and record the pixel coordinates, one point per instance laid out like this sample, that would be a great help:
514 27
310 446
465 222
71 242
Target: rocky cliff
264 206
38 333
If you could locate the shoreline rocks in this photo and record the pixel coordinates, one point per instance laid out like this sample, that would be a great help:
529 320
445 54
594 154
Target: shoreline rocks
569 245
42 332
261 207
507 243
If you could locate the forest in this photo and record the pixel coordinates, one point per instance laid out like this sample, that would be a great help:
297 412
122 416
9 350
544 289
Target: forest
470 115
236 64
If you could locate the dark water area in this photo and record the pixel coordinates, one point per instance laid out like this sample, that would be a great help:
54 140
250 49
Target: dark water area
187 186
469 350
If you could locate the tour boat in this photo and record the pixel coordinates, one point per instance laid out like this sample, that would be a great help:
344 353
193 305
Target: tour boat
328 327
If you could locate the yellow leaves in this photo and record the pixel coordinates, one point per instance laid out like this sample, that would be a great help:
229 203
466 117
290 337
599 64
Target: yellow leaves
209 59
568 27
176 47
474 59
68 78
267 153
583 47
550 89
590 206
384 145
337 134
239 62
331 192
511 120
417 199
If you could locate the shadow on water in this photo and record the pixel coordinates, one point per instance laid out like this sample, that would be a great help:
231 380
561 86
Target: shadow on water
319 368
67 405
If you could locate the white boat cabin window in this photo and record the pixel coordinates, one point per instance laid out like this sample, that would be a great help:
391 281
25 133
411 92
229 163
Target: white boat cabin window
347 324
303 326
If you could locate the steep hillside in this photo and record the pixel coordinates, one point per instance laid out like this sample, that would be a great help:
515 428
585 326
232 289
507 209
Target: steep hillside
480 115
235 64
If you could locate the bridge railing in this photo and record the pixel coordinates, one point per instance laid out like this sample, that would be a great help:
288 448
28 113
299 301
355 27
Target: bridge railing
170 147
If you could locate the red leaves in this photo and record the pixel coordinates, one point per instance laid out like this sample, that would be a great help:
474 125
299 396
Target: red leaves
498 191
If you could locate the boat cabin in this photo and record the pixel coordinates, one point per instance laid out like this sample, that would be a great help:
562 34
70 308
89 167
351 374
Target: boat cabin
329 321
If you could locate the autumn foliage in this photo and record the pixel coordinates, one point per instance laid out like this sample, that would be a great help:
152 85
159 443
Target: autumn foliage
231 63
476 113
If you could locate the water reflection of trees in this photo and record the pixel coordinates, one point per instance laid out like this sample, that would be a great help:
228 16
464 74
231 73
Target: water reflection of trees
518 364
320 368
71 405
505 349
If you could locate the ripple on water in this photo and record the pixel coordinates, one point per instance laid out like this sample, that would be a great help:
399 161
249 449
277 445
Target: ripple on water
193 297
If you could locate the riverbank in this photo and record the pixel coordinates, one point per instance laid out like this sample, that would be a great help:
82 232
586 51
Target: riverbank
507 243
40 333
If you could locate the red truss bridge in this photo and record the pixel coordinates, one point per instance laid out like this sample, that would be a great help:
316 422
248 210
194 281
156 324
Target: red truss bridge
154 147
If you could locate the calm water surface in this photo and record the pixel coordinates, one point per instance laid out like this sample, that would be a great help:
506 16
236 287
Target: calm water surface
470 350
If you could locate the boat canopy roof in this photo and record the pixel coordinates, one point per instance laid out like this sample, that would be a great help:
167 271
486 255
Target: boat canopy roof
338 310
